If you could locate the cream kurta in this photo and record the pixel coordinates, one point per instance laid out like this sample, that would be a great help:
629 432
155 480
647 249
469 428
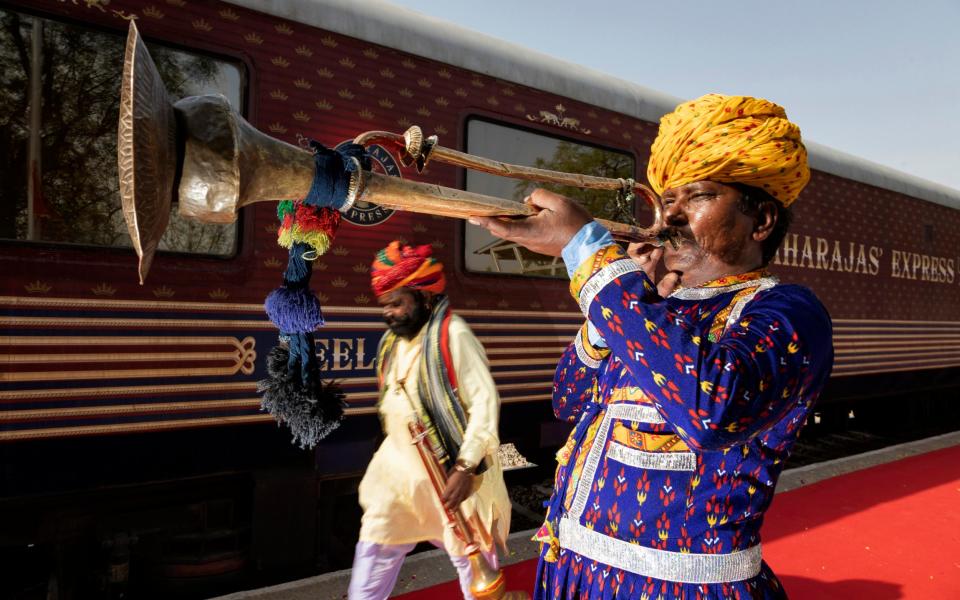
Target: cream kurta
399 504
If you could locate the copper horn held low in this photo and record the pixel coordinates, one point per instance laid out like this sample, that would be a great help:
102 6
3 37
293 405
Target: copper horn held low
202 155
486 583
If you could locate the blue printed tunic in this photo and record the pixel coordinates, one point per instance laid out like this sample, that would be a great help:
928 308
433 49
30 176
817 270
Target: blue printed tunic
683 423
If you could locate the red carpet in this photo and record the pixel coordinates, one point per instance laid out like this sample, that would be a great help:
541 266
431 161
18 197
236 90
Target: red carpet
890 532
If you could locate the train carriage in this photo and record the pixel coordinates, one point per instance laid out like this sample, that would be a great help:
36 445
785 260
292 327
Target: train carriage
135 454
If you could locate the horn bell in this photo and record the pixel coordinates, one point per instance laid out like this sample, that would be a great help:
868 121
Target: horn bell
146 151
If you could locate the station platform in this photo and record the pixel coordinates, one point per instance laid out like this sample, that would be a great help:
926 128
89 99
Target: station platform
884 525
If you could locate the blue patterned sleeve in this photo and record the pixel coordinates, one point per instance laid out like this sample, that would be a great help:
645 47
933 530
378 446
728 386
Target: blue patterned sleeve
715 393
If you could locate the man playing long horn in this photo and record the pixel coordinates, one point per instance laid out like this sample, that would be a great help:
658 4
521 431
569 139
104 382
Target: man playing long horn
429 366
687 394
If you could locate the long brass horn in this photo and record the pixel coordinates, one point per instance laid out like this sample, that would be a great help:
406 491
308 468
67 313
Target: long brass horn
202 154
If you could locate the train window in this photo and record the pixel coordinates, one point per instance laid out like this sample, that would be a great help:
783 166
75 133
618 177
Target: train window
59 97
487 254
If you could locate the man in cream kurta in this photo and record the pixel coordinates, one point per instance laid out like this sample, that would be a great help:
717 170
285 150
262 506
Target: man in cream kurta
400 506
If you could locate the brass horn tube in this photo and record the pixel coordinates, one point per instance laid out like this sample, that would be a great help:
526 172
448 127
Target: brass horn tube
432 199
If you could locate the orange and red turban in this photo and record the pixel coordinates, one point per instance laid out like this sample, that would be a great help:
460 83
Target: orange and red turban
730 139
398 266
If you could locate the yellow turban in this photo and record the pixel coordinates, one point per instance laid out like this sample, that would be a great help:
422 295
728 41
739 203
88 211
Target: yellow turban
730 139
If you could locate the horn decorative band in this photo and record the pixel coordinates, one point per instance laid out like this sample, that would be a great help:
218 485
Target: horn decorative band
202 155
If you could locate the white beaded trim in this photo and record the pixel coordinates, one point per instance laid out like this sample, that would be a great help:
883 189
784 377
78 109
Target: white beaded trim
678 567
702 293
660 461
582 354
601 278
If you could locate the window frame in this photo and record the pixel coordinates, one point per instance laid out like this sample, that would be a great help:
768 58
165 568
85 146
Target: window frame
75 253
527 126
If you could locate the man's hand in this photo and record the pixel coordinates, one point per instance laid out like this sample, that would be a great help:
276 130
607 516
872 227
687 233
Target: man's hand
459 485
546 232
648 257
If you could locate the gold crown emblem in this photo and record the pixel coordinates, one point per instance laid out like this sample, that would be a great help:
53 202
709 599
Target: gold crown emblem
163 292
37 287
367 83
362 299
345 94
361 268
371 53
278 95
387 74
202 25
340 250
420 228
535 305
438 244
319 266
408 63
346 62
339 282
303 50
614 120
253 38
385 103
322 104
503 304
219 294
273 262
507 92
471 302
477 83
302 83
328 41
445 74
301 116
441 101
627 136
325 73
323 298
280 61
277 128
153 12
104 289
366 115
423 111
461 92
519 108
283 29
406 93
229 15
492 101
424 83
439 130
404 122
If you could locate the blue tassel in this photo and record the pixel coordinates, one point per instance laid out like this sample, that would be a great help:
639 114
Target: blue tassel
298 270
294 310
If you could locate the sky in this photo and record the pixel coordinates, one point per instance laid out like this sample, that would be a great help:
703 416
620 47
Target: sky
879 79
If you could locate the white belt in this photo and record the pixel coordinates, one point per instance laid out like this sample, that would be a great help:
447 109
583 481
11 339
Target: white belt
678 567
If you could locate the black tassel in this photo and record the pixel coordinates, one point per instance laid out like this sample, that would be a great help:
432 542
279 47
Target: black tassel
311 411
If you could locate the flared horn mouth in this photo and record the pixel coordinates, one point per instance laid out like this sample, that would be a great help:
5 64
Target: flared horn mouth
146 150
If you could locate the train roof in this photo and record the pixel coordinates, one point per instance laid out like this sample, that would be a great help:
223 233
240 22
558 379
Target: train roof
395 27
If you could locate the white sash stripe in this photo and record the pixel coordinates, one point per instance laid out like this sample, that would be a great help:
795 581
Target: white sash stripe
638 413
661 461
661 564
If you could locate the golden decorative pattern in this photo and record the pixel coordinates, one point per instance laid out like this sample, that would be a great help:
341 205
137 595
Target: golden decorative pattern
37 287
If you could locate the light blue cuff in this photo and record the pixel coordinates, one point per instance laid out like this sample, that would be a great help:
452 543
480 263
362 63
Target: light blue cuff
588 241
592 237
593 336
